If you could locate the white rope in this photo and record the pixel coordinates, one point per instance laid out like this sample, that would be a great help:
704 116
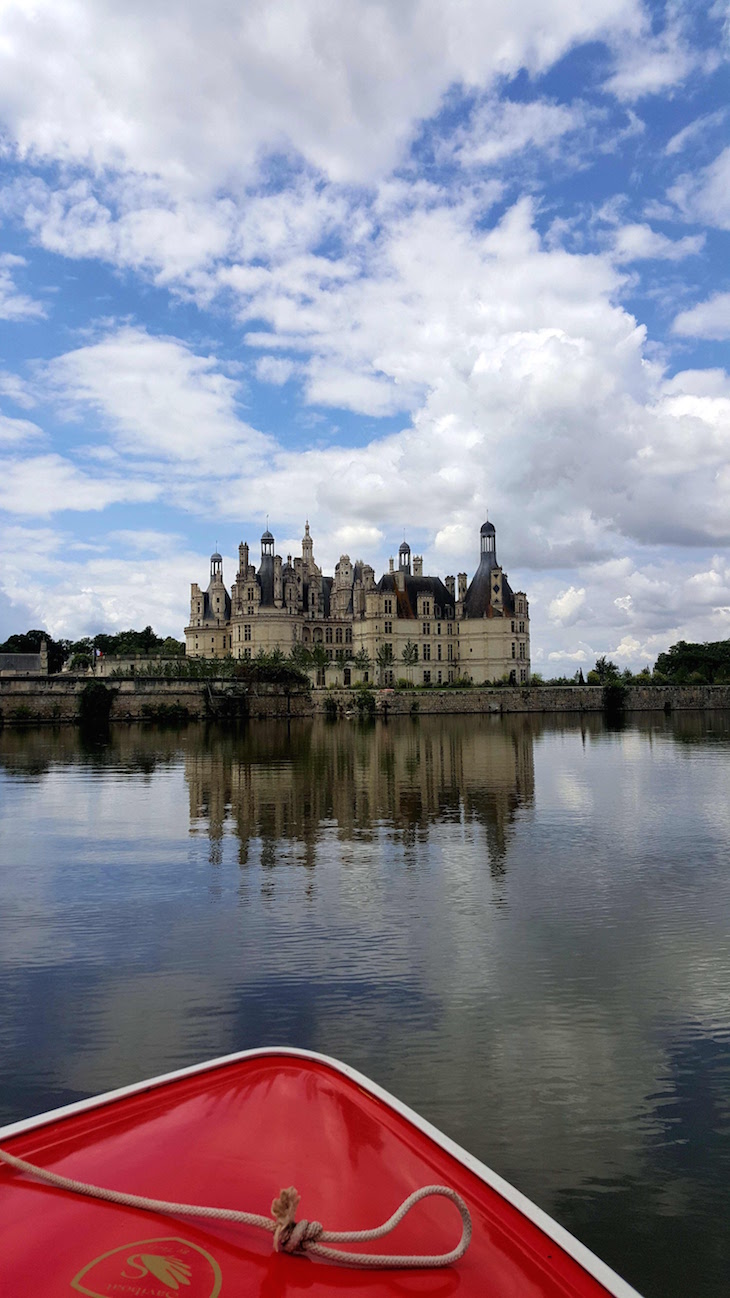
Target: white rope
290 1235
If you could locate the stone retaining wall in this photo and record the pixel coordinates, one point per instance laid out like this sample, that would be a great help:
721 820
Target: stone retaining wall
56 699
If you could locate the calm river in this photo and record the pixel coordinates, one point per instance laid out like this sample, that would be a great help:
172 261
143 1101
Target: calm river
520 926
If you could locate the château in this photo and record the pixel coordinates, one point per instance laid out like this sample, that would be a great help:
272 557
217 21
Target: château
429 631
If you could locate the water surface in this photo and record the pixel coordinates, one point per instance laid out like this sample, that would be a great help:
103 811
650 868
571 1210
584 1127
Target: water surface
520 926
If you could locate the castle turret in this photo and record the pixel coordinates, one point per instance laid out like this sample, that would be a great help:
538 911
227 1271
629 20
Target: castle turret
489 594
307 547
278 589
266 570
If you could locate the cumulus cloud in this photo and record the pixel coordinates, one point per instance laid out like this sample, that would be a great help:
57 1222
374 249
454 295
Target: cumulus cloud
566 606
121 583
710 319
14 431
705 195
649 63
43 485
201 91
501 128
254 181
156 396
15 305
275 369
639 242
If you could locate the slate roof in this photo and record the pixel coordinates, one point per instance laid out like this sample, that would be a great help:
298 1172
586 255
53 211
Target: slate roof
265 578
414 586
21 663
479 593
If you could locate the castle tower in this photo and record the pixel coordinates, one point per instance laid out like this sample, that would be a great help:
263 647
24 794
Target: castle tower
307 547
488 545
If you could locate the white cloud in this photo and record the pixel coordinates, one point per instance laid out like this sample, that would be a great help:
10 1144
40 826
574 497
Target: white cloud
696 129
639 242
275 369
566 606
46 484
710 319
116 585
649 64
14 431
196 93
518 379
15 305
579 656
157 397
14 387
501 128
705 195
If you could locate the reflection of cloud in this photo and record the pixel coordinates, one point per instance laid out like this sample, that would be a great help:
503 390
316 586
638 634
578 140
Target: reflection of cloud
506 921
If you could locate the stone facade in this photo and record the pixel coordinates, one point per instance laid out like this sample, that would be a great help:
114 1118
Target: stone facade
29 700
406 625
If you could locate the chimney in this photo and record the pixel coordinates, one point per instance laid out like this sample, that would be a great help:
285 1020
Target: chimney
243 558
462 587
450 585
391 565
418 565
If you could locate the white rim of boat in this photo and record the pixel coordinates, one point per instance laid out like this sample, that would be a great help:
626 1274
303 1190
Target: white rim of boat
589 1261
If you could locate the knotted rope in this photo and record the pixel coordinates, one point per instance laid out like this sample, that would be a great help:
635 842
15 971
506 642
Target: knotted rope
290 1235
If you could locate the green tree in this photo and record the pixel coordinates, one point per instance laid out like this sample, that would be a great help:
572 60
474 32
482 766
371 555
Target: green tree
683 660
362 661
606 670
172 647
320 660
409 655
300 656
384 660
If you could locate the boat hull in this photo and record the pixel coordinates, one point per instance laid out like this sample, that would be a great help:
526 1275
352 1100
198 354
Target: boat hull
230 1134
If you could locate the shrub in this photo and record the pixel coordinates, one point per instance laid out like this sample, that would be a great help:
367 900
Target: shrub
365 702
166 713
330 707
95 704
614 697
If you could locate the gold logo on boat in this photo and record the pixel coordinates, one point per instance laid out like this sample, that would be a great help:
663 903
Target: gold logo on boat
151 1268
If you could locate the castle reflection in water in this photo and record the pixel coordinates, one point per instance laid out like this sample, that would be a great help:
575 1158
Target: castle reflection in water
280 789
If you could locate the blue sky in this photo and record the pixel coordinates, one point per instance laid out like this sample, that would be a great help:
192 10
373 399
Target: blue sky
385 266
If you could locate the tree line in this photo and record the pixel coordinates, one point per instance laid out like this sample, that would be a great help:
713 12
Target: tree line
80 653
684 663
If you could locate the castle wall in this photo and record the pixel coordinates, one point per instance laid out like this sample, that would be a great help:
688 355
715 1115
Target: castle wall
56 699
